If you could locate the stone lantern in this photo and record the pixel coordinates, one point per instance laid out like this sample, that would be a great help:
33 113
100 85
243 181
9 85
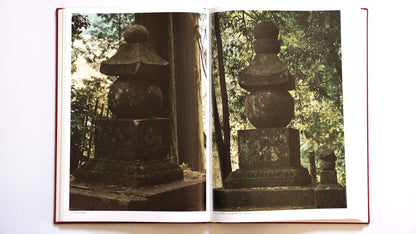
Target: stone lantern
133 148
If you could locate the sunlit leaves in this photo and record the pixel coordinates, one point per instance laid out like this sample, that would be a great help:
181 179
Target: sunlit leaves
95 38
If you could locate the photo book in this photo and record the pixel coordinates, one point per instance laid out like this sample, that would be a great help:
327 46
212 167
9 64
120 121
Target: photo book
211 115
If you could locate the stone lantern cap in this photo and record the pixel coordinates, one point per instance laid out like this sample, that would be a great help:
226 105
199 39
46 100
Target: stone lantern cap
135 56
266 70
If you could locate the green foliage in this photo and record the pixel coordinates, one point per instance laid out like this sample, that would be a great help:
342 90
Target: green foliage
311 49
78 24
95 38
105 36
88 102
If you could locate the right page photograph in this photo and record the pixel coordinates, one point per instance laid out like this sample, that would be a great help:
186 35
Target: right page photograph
278 116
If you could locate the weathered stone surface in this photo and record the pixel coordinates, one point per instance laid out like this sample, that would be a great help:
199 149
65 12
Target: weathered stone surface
183 195
268 157
330 196
268 148
266 72
135 94
131 153
272 198
269 108
134 56
275 198
328 160
136 33
267 46
328 177
133 139
328 174
243 178
134 99
266 30
127 173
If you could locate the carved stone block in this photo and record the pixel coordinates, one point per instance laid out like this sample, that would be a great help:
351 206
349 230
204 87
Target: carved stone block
268 148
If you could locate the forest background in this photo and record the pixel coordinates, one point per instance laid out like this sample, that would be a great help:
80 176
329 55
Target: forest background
311 49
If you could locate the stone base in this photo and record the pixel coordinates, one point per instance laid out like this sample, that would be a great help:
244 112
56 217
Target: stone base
330 196
133 139
268 157
277 198
267 178
328 177
128 173
184 195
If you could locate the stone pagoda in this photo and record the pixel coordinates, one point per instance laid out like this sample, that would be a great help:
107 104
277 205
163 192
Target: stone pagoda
270 175
132 149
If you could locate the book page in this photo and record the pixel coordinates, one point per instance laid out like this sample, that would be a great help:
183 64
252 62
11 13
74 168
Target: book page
295 85
132 116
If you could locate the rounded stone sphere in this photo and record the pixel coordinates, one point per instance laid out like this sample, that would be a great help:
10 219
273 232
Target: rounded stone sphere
269 108
132 99
136 33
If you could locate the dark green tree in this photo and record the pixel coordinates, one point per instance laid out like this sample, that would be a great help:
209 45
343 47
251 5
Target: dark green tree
79 24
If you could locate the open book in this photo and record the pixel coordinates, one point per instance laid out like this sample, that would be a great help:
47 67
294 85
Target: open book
211 116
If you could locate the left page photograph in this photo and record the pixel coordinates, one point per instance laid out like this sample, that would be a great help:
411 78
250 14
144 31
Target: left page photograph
131 117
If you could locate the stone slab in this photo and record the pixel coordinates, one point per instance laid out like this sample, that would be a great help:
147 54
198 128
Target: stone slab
277 198
330 196
185 195
268 178
128 173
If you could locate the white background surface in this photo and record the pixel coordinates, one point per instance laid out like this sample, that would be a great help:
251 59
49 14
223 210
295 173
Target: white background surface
27 102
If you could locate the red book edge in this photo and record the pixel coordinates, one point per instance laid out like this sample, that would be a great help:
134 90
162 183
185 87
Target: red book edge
56 143
56 111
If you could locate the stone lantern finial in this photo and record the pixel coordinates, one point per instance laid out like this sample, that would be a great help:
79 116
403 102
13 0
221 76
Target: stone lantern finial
134 57
136 33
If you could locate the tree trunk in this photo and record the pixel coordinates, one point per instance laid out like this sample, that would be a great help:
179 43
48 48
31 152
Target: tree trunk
225 165
225 155
188 85
173 35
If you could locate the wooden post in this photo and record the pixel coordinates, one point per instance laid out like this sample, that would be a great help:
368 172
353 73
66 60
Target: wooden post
188 84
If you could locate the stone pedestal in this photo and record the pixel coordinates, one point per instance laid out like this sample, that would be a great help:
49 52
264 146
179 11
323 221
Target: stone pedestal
131 153
280 198
268 157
